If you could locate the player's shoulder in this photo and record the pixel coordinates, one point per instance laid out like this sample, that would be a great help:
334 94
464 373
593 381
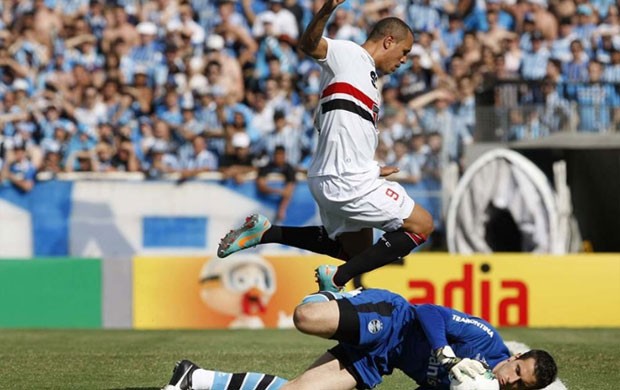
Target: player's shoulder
341 44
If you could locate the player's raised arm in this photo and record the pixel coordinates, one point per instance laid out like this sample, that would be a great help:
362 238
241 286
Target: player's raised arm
311 41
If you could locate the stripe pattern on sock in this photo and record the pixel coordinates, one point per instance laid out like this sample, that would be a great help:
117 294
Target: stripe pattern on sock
247 381
265 382
419 239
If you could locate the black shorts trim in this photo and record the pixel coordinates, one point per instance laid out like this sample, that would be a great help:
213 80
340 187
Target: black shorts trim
341 355
348 323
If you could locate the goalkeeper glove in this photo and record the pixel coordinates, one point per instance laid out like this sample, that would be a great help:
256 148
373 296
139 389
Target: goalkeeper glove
458 367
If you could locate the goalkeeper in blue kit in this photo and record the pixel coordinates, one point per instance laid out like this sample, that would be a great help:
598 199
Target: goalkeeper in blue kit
379 331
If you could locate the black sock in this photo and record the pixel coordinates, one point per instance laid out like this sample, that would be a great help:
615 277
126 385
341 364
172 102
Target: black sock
312 238
388 249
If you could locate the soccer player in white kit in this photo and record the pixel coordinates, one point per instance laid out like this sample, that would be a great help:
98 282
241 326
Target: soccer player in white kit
347 183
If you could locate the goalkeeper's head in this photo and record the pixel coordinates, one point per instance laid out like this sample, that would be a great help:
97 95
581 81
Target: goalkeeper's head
532 370
545 369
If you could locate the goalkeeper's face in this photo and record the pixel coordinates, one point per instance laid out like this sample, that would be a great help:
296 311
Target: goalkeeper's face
516 374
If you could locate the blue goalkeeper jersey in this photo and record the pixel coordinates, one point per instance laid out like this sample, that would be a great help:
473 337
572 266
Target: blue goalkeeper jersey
436 326
396 334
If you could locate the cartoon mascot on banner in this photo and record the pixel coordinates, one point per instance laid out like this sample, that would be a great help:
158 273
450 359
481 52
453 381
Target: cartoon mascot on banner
240 286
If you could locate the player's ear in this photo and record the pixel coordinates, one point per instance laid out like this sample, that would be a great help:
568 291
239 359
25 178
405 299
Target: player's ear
388 41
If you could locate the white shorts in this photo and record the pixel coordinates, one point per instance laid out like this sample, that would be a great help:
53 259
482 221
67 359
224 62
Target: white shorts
384 207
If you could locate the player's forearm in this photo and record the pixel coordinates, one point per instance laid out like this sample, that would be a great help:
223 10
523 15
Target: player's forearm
311 37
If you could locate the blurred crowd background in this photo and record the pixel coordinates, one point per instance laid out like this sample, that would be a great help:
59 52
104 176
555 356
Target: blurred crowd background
187 87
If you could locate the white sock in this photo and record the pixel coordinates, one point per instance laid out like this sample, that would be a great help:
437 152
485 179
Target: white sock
202 379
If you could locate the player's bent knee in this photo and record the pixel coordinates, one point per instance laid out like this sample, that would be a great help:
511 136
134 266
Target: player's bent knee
318 319
305 317
420 222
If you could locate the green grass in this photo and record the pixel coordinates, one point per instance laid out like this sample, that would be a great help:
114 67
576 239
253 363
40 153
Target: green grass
589 359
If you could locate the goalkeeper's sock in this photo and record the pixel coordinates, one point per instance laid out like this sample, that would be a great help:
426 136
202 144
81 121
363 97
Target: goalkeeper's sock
312 238
217 380
389 248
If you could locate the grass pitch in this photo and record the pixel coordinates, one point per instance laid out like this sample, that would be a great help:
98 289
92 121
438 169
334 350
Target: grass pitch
589 359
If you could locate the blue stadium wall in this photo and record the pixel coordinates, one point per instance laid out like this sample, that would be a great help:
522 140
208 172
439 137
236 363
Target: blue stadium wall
114 219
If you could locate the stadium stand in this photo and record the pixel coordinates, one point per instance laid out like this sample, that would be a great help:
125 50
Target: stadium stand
128 86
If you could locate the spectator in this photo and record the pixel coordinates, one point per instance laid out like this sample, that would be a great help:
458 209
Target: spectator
495 33
18 169
227 15
148 53
238 161
283 134
160 161
611 74
604 42
210 112
104 153
417 81
439 118
170 110
465 109
561 47
119 28
283 192
125 159
184 21
52 162
585 24
433 165
90 113
409 170
82 50
200 160
343 27
452 37
58 142
418 148
82 161
141 91
594 101
534 62
545 22
469 51
232 79
284 22
423 16
263 113
516 126
576 70
505 16
555 111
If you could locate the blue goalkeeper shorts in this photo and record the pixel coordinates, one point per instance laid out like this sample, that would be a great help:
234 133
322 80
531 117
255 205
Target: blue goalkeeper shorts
372 328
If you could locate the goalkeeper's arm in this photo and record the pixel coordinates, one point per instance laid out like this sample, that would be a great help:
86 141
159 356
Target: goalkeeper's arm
434 320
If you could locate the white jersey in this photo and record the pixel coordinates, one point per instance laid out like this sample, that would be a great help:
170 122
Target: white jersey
346 119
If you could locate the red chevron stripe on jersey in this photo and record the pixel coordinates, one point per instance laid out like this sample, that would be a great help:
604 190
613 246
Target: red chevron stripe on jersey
348 89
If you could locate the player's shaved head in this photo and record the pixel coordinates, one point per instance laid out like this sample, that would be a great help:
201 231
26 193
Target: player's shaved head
390 26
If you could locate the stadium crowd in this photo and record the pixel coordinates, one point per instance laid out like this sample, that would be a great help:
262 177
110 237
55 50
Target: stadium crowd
192 86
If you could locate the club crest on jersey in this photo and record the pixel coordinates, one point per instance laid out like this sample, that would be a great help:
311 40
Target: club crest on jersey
373 78
375 326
